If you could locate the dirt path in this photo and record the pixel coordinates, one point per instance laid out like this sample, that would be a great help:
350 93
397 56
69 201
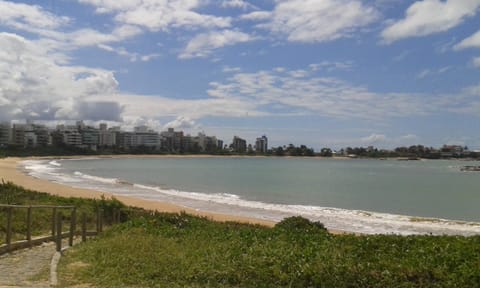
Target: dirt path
21 268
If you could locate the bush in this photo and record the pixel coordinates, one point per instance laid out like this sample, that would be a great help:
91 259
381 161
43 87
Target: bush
299 224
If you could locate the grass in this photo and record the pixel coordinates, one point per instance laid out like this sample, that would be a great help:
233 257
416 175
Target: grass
42 217
179 250
169 250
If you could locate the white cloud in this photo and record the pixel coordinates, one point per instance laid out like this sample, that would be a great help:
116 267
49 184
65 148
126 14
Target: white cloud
237 4
428 72
409 137
428 17
20 16
298 73
182 122
476 62
109 6
316 96
148 57
256 16
90 37
319 20
51 28
153 107
374 139
424 73
37 83
473 90
133 57
34 85
203 44
228 69
130 122
470 42
160 15
332 66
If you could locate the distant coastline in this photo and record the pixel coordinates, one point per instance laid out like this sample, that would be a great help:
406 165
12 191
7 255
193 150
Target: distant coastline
30 139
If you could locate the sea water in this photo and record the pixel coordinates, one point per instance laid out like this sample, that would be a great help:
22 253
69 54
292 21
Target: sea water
365 196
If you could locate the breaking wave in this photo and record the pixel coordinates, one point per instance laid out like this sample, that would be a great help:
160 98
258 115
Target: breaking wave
356 221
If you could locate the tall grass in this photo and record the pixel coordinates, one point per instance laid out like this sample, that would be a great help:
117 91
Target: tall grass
170 250
42 217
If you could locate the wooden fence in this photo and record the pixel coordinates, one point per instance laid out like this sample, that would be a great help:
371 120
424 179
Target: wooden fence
56 235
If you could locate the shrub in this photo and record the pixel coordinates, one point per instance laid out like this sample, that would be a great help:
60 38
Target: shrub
299 224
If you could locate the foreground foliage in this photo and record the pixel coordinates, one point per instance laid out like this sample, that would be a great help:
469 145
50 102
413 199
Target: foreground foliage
41 218
170 250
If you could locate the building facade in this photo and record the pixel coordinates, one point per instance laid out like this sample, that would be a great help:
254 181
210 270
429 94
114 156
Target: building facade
5 133
261 145
239 145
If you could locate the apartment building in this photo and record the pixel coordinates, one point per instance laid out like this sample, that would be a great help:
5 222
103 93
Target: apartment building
107 137
261 145
239 145
5 133
67 135
172 140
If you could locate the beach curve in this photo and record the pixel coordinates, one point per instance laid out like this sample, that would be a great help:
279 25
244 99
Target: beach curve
9 172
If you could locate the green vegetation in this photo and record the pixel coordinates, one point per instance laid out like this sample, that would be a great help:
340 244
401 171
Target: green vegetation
168 250
42 217
17 151
414 151
292 150
179 250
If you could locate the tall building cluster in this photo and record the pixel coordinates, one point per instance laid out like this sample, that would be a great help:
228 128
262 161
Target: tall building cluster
84 136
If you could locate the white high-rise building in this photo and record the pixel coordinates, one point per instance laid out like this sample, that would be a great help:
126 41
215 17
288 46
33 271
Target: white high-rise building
261 145
69 135
5 133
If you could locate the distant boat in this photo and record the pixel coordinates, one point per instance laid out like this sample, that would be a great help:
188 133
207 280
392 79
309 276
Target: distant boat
470 168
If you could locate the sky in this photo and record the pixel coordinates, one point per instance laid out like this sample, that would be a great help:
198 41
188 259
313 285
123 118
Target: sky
324 73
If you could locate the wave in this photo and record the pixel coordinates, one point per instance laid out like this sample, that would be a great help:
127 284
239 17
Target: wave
37 167
357 221
102 179
336 218
55 163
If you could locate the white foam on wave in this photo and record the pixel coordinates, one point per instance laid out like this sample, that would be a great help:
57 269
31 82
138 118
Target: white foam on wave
333 218
55 163
38 167
50 170
96 178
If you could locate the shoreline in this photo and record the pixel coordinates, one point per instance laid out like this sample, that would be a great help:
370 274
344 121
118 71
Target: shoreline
339 220
10 172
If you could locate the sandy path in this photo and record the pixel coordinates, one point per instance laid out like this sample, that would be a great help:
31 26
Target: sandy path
18 268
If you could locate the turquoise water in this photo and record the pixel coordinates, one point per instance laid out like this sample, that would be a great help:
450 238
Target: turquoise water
285 186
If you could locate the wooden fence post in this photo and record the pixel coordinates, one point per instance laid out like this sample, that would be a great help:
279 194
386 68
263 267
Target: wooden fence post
9 227
84 227
54 219
99 220
116 216
59 232
29 226
119 215
73 226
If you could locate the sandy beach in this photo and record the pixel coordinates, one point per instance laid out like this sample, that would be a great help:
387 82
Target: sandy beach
9 172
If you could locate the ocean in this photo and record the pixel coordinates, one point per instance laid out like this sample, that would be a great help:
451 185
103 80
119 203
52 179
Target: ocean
358 195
